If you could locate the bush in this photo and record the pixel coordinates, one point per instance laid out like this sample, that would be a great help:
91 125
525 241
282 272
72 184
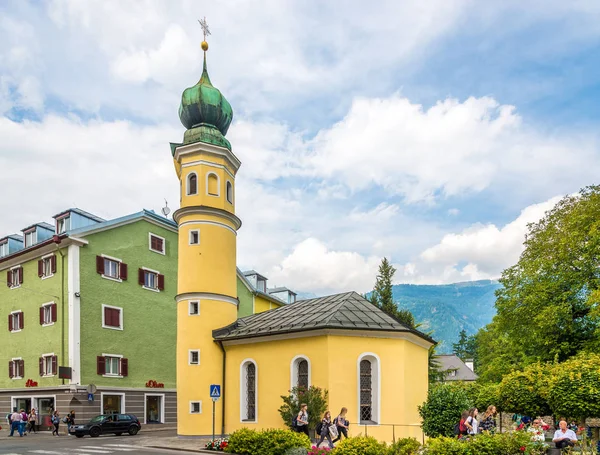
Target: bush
267 442
316 399
445 446
405 446
360 445
441 411
524 391
297 451
483 444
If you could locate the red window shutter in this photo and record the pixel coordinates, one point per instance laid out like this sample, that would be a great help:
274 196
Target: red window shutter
100 265
141 276
54 364
41 366
20 269
41 268
106 316
161 282
53 311
21 322
21 368
10 369
53 263
123 271
9 278
100 365
41 315
124 367
10 322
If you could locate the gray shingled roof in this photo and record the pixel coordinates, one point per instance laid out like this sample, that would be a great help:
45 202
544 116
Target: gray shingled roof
451 362
348 311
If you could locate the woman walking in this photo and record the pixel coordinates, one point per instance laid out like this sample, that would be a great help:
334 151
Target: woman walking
56 422
471 423
32 421
488 423
302 420
325 424
342 425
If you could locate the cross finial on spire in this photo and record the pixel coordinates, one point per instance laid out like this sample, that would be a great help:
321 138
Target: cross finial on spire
204 26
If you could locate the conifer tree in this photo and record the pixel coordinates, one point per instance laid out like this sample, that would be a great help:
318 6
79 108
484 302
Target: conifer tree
383 297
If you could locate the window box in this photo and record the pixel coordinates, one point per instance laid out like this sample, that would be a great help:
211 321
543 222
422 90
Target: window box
48 365
157 243
14 277
151 280
48 314
112 317
111 268
47 266
16 368
112 366
15 321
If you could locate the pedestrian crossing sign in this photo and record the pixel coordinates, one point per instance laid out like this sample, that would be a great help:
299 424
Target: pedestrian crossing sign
215 391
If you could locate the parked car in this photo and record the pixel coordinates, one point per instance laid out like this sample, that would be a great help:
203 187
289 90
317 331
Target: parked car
108 423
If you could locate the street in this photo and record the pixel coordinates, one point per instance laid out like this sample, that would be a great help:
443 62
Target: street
45 443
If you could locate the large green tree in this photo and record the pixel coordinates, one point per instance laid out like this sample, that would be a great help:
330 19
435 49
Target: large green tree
547 308
465 347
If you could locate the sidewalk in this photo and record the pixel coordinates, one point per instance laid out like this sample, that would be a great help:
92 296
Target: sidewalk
174 443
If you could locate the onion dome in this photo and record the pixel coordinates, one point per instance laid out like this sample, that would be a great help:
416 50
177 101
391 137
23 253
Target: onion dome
205 112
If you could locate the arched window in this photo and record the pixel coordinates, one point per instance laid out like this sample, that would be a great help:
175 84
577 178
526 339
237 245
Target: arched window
192 184
248 387
300 372
229 192
369 387
212 184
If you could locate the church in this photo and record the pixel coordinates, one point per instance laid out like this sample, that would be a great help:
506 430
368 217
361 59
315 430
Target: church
368 361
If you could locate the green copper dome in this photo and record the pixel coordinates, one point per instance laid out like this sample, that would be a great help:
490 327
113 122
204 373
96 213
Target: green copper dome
205 113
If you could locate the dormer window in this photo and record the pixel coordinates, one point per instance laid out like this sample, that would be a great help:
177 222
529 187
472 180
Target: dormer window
261 285
30 238
3 249
63 225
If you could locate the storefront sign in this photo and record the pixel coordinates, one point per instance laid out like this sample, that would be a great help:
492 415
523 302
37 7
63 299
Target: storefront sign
155 385
31 383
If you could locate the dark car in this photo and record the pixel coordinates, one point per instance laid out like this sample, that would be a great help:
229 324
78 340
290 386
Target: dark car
108 423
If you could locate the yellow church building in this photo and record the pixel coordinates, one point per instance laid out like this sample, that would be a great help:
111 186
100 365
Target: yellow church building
367 360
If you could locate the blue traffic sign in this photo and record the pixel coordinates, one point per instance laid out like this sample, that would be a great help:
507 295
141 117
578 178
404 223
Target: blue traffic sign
215 391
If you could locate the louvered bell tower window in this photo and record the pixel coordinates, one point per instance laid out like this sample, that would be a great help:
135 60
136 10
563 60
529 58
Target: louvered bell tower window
366 391
303 374
250 392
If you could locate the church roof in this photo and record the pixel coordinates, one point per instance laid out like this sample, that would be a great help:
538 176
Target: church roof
347 311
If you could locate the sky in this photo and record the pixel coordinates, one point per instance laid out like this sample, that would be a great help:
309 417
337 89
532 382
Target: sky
429 132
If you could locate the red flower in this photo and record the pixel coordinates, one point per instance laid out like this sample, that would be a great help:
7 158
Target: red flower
522 448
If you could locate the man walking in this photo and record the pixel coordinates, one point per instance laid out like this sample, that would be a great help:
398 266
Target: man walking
16 423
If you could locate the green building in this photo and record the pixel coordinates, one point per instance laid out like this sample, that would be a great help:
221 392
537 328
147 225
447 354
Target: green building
89 307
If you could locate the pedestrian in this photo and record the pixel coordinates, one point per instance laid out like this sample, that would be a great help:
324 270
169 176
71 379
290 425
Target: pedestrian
471 423
302 419
488 423
325 424
32 421
24 419
15 419
9 420
70 421
56 422
342 425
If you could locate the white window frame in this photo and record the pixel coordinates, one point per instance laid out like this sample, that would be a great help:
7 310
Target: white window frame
164 243
33 234
119 262
13 360
12 276
110 375
294 370
66 220
122 395
192 403
47 259
156 273
197 231
375 384
47 307
45 358
228 193
104 326
190 304
208 174
190 357
162 406
187 184
12 313
3 249
243 391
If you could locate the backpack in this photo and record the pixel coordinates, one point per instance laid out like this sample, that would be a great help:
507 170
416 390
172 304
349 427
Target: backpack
319 427
457 428
65 419
295 421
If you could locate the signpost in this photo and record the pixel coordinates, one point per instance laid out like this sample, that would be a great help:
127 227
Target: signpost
215 394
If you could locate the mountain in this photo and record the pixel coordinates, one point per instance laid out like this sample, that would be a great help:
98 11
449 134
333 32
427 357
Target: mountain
448 308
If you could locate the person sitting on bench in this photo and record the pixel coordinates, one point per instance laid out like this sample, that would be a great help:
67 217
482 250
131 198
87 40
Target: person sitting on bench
564 437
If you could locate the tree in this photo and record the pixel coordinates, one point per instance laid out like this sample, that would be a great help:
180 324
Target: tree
315 398
442 410
547 307
526 392
465 347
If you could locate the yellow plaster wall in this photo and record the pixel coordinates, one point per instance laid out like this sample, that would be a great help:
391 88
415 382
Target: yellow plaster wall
334 364
261 304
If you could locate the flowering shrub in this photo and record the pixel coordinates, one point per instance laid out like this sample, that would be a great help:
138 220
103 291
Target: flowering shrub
319 451
360 445
266 442
218 445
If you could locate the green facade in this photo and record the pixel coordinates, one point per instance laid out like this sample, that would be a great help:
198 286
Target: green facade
35 339
149 318
245 298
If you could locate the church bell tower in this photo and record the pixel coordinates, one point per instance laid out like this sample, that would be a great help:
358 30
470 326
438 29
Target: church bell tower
206 289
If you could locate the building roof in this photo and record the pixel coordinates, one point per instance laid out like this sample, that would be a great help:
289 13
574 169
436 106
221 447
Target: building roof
147 214
280 289
453 363
18 238
255 291
347 311
82 213
254 272
42 225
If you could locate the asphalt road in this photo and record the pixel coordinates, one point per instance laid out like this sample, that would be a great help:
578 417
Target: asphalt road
69 445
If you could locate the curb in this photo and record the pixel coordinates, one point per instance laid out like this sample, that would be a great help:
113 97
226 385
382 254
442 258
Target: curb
183 450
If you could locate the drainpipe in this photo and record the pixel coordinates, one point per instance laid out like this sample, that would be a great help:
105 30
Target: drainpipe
57 239
223 388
